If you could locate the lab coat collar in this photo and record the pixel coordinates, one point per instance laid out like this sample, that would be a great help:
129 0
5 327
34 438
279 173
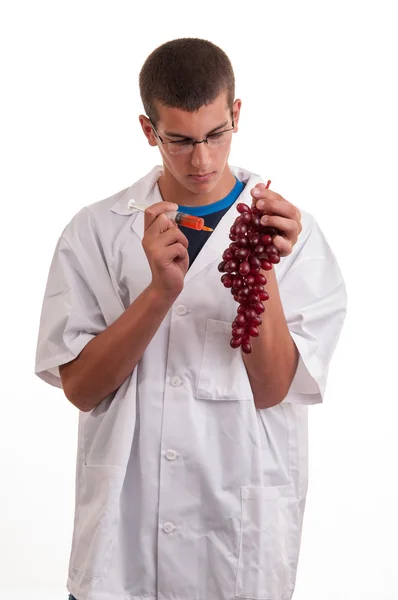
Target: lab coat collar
219 239
139 191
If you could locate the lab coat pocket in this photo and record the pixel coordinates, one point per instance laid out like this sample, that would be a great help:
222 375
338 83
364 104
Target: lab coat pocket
96 518
263 566
223 374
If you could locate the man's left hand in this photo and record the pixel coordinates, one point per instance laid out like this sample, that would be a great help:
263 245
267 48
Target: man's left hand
281 215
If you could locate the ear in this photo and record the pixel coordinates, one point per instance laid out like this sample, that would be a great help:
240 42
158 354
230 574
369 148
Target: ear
148 131
236 112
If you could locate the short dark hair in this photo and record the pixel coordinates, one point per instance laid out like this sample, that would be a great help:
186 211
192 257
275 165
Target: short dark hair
186 73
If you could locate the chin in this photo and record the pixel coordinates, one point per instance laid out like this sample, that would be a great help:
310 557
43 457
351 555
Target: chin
203 187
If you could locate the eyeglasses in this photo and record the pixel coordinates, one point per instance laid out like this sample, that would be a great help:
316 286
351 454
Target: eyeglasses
186 146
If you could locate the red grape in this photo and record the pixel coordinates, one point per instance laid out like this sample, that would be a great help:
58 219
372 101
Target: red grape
254 269
271 249
253 331
257 289
231 266
250 314
238 331
274 259
266 239
247 348
266 265
243 294
241 253
227 280
241 230
244 268
240 319
254 239
227 254
259 249
259 308
261 279
254 299
256 221
270 230
254 261
263 296
241 242
238 281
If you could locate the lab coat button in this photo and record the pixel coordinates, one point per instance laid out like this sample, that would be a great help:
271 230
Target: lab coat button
175 381
168 527
171 455
181 310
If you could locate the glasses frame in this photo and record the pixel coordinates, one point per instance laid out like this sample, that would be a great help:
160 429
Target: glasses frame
193 142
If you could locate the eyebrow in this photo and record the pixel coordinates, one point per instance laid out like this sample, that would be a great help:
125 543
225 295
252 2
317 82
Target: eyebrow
188 137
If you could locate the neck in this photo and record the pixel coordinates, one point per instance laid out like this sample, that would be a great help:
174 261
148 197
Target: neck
173 191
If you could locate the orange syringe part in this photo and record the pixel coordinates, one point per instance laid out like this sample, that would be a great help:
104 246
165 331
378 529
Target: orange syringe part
191 221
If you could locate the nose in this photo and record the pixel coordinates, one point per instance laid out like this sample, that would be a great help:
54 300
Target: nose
200 156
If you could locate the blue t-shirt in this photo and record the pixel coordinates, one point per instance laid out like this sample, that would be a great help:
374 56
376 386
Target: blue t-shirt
212 214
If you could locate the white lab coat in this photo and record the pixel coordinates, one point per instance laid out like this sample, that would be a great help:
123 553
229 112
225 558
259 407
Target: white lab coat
184 491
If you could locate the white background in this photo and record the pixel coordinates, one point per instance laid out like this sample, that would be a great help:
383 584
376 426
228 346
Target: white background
319 118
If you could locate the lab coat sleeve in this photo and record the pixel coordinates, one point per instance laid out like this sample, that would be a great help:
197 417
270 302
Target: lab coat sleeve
70 317
314 299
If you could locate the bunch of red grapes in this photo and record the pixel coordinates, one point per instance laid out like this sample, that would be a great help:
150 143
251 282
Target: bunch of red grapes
251 250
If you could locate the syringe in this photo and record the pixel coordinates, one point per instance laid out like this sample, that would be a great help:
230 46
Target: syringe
190 221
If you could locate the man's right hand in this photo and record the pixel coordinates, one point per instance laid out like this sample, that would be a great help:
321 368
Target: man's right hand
166 249
112 355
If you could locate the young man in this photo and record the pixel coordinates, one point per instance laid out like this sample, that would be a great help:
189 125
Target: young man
192 456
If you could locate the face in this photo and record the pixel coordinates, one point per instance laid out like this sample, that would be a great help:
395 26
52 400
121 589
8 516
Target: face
204 171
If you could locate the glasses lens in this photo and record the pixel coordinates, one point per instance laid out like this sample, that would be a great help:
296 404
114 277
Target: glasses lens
180 148
218 139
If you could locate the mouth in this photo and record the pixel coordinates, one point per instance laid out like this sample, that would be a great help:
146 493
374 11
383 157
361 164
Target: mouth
201 177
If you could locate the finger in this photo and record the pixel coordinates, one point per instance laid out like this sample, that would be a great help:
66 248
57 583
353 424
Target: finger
173 236
261 187
159 225
154 242
153 211
153 235
176 251
279 206
288 227
260 191
284 246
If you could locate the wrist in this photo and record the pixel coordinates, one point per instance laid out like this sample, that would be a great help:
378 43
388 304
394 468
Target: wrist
159 298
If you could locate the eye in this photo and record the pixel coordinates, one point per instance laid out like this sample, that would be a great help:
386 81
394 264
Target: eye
215 136
185 142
